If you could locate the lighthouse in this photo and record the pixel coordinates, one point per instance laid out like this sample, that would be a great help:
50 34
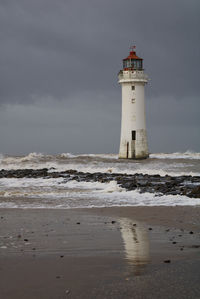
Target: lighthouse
133 143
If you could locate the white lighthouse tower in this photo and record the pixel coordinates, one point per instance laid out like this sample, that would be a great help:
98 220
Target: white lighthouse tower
133 144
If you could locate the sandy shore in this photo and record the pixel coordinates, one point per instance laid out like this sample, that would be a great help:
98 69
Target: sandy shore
140 252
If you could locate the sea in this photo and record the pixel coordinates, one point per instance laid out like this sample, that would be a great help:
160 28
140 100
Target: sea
56 193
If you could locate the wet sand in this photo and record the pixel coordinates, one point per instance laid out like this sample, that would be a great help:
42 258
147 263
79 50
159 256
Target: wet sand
140 252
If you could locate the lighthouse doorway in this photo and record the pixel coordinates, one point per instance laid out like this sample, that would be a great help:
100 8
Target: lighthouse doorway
133 144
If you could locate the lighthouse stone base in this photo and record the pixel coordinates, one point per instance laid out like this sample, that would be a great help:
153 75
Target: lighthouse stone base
135 149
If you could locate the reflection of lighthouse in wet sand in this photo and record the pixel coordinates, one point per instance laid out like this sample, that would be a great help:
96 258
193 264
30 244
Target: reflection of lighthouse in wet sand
133 142
136 244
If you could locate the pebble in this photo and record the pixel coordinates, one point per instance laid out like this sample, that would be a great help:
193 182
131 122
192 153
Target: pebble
67 292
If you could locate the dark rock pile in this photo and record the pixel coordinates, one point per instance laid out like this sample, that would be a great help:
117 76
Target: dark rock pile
181 185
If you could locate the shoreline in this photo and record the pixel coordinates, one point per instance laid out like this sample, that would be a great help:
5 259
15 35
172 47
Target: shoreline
151 252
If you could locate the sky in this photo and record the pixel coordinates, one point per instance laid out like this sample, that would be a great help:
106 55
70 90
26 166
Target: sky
59 62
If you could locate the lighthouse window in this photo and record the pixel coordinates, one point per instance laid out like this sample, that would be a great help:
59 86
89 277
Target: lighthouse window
128 63
133 135
132 101
133 87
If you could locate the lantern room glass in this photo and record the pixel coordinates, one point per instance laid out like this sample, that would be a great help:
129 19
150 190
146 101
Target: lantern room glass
133 63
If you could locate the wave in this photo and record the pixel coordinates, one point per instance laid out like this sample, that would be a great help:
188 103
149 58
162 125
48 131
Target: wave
36 157
102 156
161 163
32 157
177 155
55 193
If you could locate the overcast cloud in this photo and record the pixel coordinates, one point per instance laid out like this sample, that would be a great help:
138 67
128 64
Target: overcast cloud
58 73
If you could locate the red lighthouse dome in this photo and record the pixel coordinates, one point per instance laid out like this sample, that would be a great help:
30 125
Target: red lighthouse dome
132 62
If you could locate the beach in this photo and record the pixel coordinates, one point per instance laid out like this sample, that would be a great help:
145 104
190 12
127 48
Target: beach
95 226
124 252
99 150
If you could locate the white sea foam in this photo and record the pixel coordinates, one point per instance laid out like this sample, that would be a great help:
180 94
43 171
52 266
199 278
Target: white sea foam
103 199
111 187
29 182
161 164
103 156
67 155
53 187
150 170
56 193
177 155
134 198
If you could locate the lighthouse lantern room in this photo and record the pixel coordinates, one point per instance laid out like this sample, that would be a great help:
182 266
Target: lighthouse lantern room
133 143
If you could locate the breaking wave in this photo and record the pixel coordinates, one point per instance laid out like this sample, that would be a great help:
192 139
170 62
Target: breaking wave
103 156
177 155
174 164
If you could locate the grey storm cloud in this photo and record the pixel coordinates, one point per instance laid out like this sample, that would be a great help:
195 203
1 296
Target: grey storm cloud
57 55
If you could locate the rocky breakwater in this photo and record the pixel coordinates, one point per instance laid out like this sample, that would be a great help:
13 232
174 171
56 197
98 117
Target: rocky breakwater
168 185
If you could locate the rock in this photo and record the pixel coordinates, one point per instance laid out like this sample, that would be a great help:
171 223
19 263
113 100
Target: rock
182 185
167 261
142 183
195 192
